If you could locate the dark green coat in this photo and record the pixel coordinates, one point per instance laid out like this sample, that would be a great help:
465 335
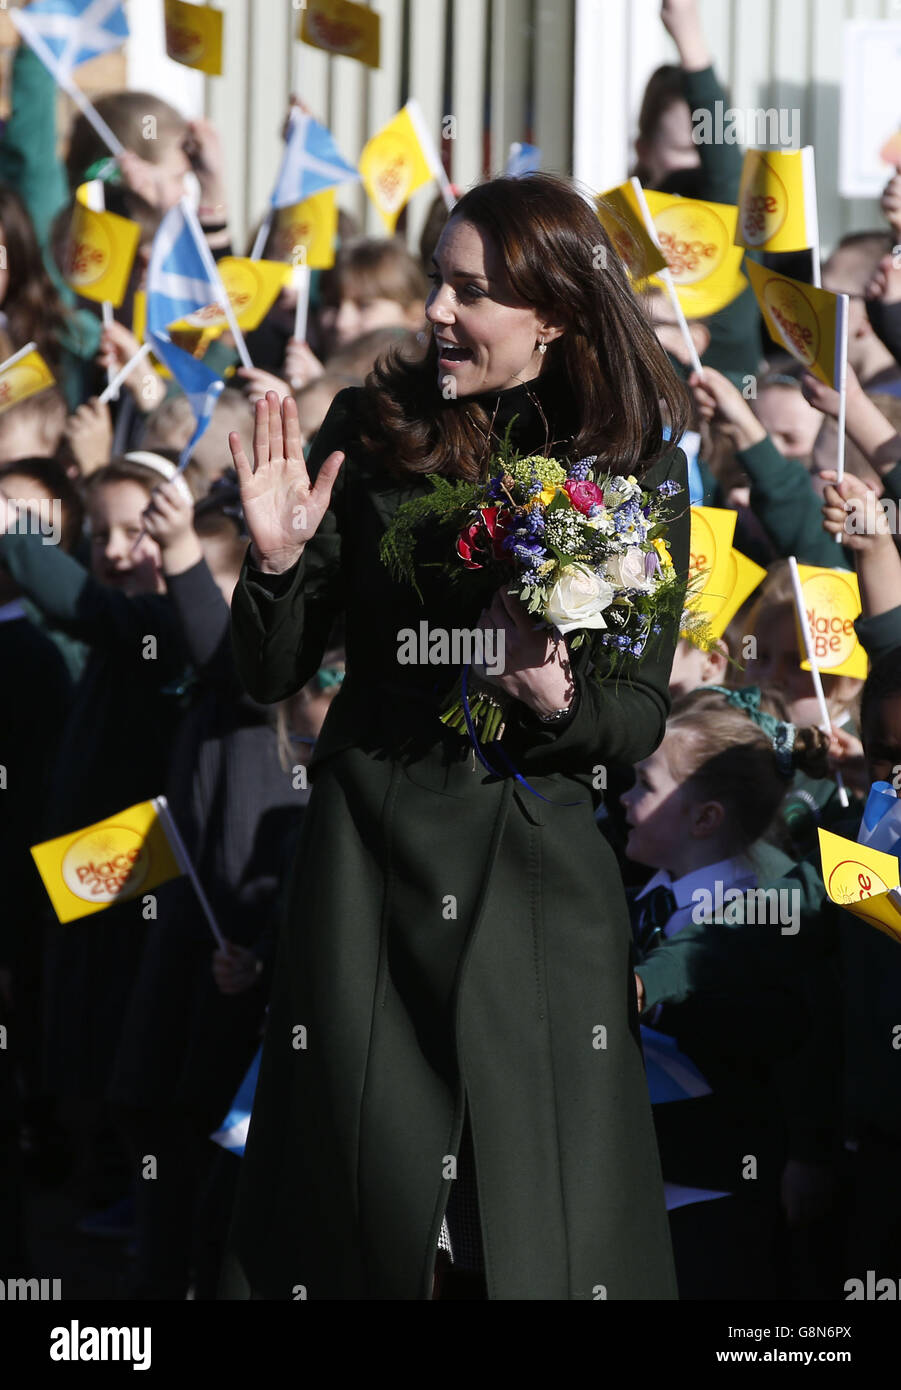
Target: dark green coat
412 1008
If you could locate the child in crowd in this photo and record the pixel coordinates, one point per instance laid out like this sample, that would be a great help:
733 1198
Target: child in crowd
188 1040
115 749
33 428
727 983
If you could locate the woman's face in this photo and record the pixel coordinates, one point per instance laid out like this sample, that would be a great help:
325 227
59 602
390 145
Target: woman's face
472 306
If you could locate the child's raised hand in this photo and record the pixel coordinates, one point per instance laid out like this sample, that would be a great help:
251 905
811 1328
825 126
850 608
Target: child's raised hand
891 201
301 364
90 435
725 409
257 383
169 515
282 509
849 498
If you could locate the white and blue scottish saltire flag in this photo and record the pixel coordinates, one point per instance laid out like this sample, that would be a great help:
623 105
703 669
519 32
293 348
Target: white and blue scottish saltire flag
71 32
671 1075
232 1134
311 162
182 278
523 159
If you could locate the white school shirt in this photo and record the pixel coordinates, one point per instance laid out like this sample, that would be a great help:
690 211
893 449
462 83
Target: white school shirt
738 872
731 873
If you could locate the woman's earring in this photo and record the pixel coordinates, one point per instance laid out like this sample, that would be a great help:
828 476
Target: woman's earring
542 346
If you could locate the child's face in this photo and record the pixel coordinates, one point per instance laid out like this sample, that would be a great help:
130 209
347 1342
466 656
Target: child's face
671 147
791 423
169 173
693 667
778 664
882 740
657 813
356 315
116 517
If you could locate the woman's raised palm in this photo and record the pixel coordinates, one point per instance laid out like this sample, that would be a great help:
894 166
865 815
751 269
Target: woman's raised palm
281 509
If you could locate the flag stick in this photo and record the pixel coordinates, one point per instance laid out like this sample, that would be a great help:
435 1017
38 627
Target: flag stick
301 310
262 236
97 203
161 806
817 278
667 279
209 266
112 389
842 347
90 113
17 356
429 149
826 723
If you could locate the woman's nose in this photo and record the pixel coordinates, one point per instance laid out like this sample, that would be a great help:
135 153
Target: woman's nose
437 307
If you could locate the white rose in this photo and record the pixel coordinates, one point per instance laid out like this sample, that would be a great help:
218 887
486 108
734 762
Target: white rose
626 570
577 599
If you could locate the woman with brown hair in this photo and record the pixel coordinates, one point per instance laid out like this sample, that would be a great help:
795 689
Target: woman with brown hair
453 1049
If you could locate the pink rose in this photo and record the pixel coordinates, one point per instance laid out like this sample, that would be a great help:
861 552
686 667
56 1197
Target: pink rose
583 496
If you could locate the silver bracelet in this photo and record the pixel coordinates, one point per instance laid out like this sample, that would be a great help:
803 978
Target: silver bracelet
557 715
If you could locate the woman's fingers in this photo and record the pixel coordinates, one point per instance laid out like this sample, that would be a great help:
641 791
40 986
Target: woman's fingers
325 479
239 458
276 440
291 426
261 434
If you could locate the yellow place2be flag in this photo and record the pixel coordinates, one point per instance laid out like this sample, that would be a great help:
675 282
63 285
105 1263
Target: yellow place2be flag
23 375
305 233
339 26
863 880
619 213
811 324
107 863
194 36
393 165
100 251
698 241
831 604
252 288
777 201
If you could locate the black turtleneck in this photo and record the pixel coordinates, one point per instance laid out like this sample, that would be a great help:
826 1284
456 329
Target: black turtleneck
549 395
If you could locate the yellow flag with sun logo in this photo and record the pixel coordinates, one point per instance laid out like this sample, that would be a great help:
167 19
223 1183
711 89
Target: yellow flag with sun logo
777 201
305 233
620 213
101 248
23 375
340 26
194 36
109 862
811 324
698 240
863 880
831 604
252 288
393 166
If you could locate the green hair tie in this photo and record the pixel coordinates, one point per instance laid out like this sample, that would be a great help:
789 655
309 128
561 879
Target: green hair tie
327 676
780 733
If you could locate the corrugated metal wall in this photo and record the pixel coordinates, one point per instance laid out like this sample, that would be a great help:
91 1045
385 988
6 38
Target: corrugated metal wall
504 69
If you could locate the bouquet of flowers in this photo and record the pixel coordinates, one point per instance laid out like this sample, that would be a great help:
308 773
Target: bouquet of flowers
585 551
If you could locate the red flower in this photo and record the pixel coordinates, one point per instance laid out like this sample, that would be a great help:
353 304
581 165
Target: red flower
473 539
583 496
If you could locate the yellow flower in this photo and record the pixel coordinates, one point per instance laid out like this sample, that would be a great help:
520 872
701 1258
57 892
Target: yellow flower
547 495
662 549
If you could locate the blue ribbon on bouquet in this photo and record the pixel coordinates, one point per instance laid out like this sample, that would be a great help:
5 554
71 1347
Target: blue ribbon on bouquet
474 740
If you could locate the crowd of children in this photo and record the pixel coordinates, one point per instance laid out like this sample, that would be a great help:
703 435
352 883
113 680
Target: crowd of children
128 1033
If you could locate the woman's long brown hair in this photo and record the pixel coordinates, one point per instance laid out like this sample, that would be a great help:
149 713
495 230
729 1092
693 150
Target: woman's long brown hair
32 304
559 260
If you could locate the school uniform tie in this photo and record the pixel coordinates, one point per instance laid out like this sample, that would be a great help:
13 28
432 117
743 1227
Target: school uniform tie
655 910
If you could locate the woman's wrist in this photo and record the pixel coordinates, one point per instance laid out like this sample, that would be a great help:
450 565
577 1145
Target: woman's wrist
277 563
